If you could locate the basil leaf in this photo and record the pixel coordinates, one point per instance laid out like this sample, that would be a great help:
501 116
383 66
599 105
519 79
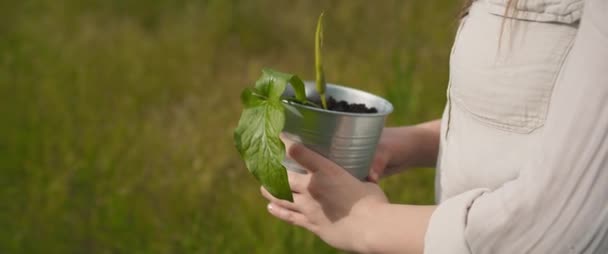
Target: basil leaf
279 80
257 134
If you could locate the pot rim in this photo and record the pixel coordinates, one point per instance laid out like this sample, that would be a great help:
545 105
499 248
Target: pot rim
387 110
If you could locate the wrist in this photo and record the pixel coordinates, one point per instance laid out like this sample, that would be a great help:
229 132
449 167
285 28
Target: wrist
366 238
379 234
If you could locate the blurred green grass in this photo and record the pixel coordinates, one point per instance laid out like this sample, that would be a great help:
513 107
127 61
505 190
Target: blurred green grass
116 116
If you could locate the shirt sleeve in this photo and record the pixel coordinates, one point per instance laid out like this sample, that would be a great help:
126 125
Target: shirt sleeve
559 202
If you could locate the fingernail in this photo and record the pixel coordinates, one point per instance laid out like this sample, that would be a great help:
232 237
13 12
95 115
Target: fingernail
269 207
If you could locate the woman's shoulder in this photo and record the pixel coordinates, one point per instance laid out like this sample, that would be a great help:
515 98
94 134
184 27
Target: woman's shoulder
565 11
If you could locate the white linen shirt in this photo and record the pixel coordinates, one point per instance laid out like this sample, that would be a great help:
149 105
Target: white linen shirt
523 164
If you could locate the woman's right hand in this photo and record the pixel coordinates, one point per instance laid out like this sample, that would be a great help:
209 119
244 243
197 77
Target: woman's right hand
400 148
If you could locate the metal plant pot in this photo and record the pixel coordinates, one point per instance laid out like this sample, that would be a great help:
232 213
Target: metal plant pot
348 139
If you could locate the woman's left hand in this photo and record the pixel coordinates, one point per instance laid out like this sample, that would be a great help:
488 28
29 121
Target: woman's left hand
328 201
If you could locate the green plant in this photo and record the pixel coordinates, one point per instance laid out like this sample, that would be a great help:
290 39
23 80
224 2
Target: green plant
319 61
263 118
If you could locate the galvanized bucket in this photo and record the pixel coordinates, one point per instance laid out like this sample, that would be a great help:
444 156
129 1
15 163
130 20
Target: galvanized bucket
348 139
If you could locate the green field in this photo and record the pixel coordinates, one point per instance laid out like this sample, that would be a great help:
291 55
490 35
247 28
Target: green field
116 116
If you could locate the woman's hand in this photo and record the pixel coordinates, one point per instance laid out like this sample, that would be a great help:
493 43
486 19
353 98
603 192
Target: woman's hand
328 201
381 165
405 147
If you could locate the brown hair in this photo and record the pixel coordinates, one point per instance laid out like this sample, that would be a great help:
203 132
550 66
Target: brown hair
465 8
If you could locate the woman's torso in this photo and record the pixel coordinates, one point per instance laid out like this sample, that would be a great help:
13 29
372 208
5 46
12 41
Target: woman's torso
499 91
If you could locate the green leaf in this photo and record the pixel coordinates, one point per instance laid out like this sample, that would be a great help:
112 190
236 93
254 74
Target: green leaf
257 134
272 83
250 97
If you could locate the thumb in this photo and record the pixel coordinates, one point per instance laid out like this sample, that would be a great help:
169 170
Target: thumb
312 161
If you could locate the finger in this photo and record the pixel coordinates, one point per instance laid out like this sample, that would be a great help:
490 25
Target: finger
373 177
284 203
297 181
288 141
288 216
285 139
375 171
311 160
378 165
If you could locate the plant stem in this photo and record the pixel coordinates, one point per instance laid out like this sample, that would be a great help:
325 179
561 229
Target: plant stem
259 96
306 102
319 61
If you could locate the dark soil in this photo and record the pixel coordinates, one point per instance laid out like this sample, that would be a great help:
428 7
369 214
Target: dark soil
344 106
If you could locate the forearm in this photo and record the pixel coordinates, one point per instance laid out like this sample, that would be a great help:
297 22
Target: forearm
411 146
393 228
